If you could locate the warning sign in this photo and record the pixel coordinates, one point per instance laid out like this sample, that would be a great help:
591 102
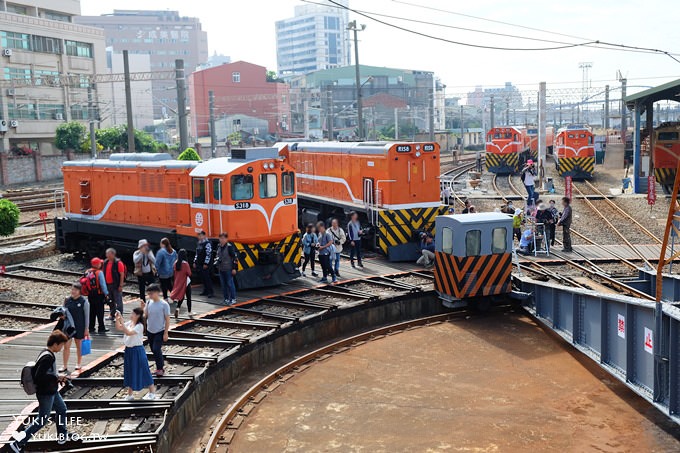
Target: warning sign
649 341
651 190
621 326
567 186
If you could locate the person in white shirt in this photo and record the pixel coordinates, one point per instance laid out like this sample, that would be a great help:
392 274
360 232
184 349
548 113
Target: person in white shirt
136 373
339 238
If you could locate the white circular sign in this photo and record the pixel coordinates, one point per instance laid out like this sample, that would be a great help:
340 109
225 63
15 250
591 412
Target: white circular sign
199 219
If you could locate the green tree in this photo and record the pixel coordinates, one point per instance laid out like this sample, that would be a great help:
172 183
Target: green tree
70 136
189 154
9 217
234 138
111 138
273 77
116 138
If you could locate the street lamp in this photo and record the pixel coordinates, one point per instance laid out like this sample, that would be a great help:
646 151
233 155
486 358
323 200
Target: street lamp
357 28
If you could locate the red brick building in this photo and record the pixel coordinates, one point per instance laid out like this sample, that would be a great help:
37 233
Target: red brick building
239 88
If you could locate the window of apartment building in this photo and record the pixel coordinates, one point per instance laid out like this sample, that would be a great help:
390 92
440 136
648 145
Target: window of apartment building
17 111
45 44
11 40
236 77
16 73
79 112
23 147
51 111
51 15
17 9
46 78
78 49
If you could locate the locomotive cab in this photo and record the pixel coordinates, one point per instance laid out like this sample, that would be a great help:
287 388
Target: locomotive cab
473 258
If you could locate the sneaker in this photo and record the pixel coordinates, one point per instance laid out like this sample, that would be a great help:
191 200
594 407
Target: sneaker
361 265
15 448
303 274
130 398
337 274
176 313
567 250
352 263
19 435
149 396
335 280
314 274
160 373
323 280
63 438
232 302
104 330
210 296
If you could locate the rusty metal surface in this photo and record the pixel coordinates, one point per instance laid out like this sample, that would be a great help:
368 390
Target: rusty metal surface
486 384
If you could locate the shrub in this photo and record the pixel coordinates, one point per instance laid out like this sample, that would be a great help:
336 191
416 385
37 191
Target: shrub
189 154
70 135
9 217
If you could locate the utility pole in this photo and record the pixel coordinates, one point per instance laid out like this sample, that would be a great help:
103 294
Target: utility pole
91 116
128 103
462 131
360 114
181 105
606 107
560 123
507 113
492 114
330 115
624 120
541 133
431 115
213 132
305 119
396 124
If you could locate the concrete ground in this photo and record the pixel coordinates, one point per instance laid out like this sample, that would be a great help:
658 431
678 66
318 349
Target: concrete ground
490 384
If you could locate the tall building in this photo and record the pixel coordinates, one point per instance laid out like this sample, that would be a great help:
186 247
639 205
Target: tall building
164 35
39 44
316 38
142 91
239 88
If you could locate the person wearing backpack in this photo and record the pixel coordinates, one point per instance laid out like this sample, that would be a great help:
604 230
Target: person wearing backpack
42 379
93 285
325 248
78 311
226 262
114 273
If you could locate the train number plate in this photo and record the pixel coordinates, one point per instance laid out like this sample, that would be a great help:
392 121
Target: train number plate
404 148
242 205
428 148
287 201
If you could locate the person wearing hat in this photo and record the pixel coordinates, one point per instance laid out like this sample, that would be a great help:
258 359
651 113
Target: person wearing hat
97 296
145 266
426 249
528 176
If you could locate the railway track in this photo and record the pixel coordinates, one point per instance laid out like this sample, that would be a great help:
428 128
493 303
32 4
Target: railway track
198 348
454 174
34 199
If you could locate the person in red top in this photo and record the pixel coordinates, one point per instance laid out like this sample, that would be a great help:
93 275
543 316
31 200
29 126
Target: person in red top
182 282
114 272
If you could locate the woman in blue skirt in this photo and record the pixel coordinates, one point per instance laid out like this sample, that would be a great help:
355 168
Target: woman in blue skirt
136 373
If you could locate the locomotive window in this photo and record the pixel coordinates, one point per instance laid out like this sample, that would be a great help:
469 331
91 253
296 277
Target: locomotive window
268 187
666 136
499 240
447 240
242 187
473 243
198 190
590 140
287 183
217 189
582 136
572 136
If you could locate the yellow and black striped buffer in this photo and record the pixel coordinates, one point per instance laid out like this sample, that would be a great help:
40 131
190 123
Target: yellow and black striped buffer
398 227
289 248
577 166
472 276
665 176
502 161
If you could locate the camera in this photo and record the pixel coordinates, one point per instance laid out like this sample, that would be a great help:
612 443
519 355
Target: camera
68 385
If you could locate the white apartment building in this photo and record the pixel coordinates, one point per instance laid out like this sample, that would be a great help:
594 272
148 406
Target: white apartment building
316 38
39 43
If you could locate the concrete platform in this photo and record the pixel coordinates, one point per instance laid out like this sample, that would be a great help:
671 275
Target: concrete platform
487 384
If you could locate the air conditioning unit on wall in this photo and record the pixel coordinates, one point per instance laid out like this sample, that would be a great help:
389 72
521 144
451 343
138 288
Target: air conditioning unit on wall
13 123
7 52
59 116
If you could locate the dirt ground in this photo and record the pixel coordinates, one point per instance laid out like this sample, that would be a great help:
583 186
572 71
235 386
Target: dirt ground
493 384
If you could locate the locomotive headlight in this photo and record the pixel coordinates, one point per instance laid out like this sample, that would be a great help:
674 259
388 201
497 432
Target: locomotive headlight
418 154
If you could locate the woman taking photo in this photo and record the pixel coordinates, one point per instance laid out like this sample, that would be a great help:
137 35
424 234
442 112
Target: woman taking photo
136 373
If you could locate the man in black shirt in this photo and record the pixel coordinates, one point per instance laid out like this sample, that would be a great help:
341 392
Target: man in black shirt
46 382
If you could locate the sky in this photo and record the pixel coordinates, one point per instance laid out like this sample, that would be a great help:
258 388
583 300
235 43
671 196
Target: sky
245 31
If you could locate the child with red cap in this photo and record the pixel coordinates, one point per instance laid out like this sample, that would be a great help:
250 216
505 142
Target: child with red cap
97 292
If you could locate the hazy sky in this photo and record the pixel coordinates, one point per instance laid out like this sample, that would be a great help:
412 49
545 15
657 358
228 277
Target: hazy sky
245 31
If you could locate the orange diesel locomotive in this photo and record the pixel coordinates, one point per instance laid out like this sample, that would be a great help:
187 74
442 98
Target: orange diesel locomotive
393 186
575 154
532 138
666 152
507 148
115 202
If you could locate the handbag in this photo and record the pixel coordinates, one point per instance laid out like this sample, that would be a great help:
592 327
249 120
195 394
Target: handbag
86 346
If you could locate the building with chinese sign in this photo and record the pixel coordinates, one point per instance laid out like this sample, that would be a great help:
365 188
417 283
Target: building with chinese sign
163 35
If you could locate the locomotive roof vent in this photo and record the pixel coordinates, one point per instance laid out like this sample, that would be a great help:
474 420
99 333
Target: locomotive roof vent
247 154
140 157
